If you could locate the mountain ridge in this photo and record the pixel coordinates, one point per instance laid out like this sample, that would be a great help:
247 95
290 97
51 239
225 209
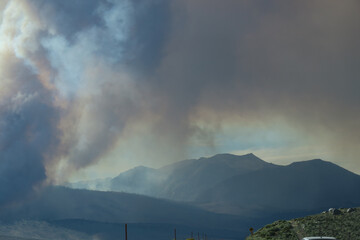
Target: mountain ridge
298 186
231 184
224 192
172 181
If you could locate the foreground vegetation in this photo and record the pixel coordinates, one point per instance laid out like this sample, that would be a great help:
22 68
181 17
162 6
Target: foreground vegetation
344 226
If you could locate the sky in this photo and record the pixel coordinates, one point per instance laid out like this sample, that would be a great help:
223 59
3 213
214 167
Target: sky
91 88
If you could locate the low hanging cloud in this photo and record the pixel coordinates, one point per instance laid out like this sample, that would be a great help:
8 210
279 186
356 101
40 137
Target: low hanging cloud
81 79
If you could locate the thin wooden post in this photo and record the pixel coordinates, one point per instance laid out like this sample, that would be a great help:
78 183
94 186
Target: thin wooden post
125 231
175 233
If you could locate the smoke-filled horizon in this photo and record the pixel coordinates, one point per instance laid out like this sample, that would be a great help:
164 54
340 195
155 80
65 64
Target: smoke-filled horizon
95 87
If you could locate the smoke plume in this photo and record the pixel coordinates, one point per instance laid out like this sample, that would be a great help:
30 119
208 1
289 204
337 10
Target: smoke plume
148 80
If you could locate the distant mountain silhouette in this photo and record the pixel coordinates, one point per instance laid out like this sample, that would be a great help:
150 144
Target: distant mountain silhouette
245 184
225 193
181 181
300 186
187 179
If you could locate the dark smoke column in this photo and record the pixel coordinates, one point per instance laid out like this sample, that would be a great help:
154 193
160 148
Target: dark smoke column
27 134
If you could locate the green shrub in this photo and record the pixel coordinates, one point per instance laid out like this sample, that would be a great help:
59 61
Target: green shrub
343 226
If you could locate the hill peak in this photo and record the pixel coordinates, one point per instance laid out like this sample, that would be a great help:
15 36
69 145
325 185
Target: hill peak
312 163
232 156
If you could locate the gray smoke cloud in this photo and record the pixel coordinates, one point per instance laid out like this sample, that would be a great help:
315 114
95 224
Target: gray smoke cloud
255 61
79 80
66 91
28 132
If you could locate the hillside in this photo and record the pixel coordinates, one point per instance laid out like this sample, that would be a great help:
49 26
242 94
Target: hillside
181 181
64 203
301 186
79 229
15 238
343 226
39 230
187 179
139 180
92 209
